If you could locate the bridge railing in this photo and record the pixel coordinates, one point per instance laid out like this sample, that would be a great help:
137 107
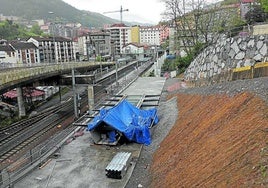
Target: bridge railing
247 72
18 73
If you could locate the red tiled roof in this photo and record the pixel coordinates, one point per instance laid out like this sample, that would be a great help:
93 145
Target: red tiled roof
13 94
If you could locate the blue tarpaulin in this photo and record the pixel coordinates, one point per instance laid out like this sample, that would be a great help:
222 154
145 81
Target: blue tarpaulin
126 118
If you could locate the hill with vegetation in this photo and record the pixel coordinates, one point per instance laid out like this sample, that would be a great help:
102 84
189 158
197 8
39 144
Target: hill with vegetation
39 9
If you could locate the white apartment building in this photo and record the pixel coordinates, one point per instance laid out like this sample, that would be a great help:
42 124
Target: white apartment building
82 45
120 36
54 49
150 35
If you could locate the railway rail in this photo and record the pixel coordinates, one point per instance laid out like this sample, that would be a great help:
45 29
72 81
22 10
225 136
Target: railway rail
25 135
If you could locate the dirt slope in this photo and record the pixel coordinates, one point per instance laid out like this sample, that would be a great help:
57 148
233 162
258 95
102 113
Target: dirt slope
217 141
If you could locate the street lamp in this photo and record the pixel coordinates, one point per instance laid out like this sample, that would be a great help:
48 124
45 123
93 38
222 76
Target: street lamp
53 34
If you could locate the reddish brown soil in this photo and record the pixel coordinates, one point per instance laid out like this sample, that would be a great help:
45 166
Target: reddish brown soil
218 141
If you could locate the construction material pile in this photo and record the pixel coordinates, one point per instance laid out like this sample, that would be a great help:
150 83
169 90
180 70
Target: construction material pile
117 168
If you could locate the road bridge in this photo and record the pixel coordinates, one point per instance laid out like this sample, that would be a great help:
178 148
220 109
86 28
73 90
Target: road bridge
18 76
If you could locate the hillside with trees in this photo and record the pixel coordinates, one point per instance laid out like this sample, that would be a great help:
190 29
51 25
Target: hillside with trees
11 31
39 9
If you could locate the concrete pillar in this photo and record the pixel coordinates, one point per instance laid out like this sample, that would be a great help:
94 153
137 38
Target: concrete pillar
1 179
91 98
21 105
74 95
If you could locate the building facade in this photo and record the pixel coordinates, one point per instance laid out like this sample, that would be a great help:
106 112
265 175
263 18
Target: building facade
94 44
26 52
54 49
150 35
18 52
135 34
7 55
120 36
134 49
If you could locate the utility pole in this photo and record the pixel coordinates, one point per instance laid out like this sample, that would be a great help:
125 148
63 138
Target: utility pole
54 41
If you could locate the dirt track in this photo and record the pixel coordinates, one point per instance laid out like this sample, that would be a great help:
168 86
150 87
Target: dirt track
218 140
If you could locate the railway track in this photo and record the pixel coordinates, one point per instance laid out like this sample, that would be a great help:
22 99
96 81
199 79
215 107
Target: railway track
11 131
29 132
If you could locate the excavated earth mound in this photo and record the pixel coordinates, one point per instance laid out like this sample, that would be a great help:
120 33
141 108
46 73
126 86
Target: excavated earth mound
217 141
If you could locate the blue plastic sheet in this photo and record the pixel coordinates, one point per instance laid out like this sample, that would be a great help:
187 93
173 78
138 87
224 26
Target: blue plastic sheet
131 121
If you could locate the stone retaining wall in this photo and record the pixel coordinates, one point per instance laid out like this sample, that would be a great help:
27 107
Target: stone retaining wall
227 54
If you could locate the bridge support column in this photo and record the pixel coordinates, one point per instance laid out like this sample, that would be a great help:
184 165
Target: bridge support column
1 179
91 99
74 95
21 105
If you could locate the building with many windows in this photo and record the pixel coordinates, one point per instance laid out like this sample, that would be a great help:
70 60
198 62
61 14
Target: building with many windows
18 52
150 35
120 36
94 44
54 49
26 52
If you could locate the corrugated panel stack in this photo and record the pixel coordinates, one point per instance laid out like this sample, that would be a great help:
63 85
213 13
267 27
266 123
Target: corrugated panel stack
117 168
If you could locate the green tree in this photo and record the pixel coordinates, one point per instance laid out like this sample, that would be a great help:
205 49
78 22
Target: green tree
11 31
256 14
264 5
36 30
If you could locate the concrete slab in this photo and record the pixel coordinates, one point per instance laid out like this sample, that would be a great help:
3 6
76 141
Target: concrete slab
146 85
82 164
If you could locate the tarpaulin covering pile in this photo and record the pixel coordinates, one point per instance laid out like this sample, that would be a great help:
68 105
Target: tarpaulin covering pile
126 118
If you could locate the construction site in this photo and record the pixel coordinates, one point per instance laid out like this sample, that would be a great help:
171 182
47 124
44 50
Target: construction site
211 136
158 132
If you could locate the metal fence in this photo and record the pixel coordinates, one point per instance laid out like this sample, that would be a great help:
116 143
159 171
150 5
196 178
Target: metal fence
39 155
248 72
32 159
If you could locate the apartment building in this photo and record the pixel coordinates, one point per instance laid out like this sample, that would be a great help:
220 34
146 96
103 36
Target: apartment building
26 52
54 49
135 34
94 44
18 52
120 36
150 35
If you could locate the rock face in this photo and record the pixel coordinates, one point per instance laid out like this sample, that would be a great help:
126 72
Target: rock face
227 54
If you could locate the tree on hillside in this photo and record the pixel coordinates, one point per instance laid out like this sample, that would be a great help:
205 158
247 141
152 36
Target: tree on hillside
264 5
11 31
256 14
197 23
36 30
8 30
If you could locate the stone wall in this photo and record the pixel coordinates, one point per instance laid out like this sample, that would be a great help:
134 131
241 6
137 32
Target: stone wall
227 54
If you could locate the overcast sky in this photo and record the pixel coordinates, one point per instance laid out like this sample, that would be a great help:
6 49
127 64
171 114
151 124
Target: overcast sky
139 10
144 11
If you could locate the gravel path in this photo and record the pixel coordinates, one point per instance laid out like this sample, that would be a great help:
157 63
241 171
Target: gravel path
168 112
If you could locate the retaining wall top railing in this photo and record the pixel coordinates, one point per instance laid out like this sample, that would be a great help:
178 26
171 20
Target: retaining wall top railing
14 74
247 72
